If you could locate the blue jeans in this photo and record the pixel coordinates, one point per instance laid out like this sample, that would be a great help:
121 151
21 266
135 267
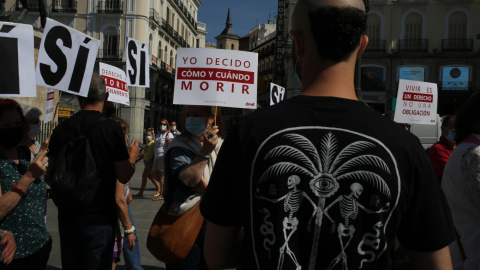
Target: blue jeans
86 247
132 257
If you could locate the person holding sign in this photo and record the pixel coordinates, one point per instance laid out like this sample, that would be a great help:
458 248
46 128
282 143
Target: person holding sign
162 140
22 198
321 181
189 162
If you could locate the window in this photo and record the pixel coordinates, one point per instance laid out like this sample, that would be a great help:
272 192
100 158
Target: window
455 78
373 78
110 42
171 58
412 73
232 47
457 26
413 26
160 53
165 54
150 40
221 47
373 27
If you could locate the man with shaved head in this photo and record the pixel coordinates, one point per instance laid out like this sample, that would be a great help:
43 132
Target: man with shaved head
321 181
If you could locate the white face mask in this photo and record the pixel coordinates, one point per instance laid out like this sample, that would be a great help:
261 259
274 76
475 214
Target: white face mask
450 136
163 128
174 128
149 138
34 130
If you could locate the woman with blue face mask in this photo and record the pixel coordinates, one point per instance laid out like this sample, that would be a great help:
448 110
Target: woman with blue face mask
189 162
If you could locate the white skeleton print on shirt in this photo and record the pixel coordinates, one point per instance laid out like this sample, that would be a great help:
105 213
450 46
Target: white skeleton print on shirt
328 195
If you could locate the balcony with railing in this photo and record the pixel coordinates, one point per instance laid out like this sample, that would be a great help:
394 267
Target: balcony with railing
376 46
457 45
173 34
65 6
110 54
413 45
113 6
185 12
32 5
155 16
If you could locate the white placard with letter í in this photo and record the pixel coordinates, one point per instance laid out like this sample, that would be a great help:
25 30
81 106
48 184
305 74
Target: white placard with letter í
66 59
138 64
277 93
17 66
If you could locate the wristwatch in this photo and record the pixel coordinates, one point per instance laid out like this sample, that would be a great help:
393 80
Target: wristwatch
2 234
131 230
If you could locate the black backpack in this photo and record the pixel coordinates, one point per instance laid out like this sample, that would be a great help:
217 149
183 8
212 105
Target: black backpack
75 178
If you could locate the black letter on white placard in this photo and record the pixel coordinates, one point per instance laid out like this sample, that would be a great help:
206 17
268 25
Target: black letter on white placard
275 95
142 66
79 69
56 54
132 47
9 72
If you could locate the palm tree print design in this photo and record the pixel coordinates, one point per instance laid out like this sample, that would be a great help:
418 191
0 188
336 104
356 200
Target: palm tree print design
326 168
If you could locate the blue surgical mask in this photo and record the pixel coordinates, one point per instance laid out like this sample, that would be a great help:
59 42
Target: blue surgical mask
450 136
195 125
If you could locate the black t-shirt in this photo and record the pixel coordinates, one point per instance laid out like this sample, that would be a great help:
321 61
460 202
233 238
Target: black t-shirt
107 143
324 183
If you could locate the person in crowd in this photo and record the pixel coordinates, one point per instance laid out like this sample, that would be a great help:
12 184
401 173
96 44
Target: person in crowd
162 139
22 198
441 150
126 237
32 129
175 131
189 162
322 181
460 183
148 161
87 234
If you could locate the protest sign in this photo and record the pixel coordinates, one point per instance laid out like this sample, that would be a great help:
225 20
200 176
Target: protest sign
216 77
17 66
116 83
277 94
48 116
66 59
138 64
416 103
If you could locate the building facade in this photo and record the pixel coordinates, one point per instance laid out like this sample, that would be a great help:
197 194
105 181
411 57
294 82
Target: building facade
431 41
165 25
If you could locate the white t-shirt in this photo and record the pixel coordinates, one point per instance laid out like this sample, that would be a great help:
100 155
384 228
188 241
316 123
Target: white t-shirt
160 145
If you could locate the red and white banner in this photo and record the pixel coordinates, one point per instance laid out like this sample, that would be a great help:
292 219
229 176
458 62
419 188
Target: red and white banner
416 103
216 77
48 116
116 83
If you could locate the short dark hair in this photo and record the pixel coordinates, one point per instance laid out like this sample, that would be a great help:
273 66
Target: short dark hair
467 117
96 92
7 104
446 120
122 123
337 30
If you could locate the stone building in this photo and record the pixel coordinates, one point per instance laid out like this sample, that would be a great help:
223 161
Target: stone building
165 25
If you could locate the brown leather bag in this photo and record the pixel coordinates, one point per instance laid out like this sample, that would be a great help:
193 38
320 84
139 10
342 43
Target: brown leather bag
172 236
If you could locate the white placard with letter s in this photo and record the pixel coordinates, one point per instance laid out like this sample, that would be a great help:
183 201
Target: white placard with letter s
66 59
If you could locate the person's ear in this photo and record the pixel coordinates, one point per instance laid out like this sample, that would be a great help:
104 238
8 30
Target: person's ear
297 39
363 45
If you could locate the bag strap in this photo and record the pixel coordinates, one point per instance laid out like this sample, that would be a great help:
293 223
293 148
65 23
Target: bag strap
472 139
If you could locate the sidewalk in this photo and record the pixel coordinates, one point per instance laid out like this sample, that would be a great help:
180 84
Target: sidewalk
143 210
